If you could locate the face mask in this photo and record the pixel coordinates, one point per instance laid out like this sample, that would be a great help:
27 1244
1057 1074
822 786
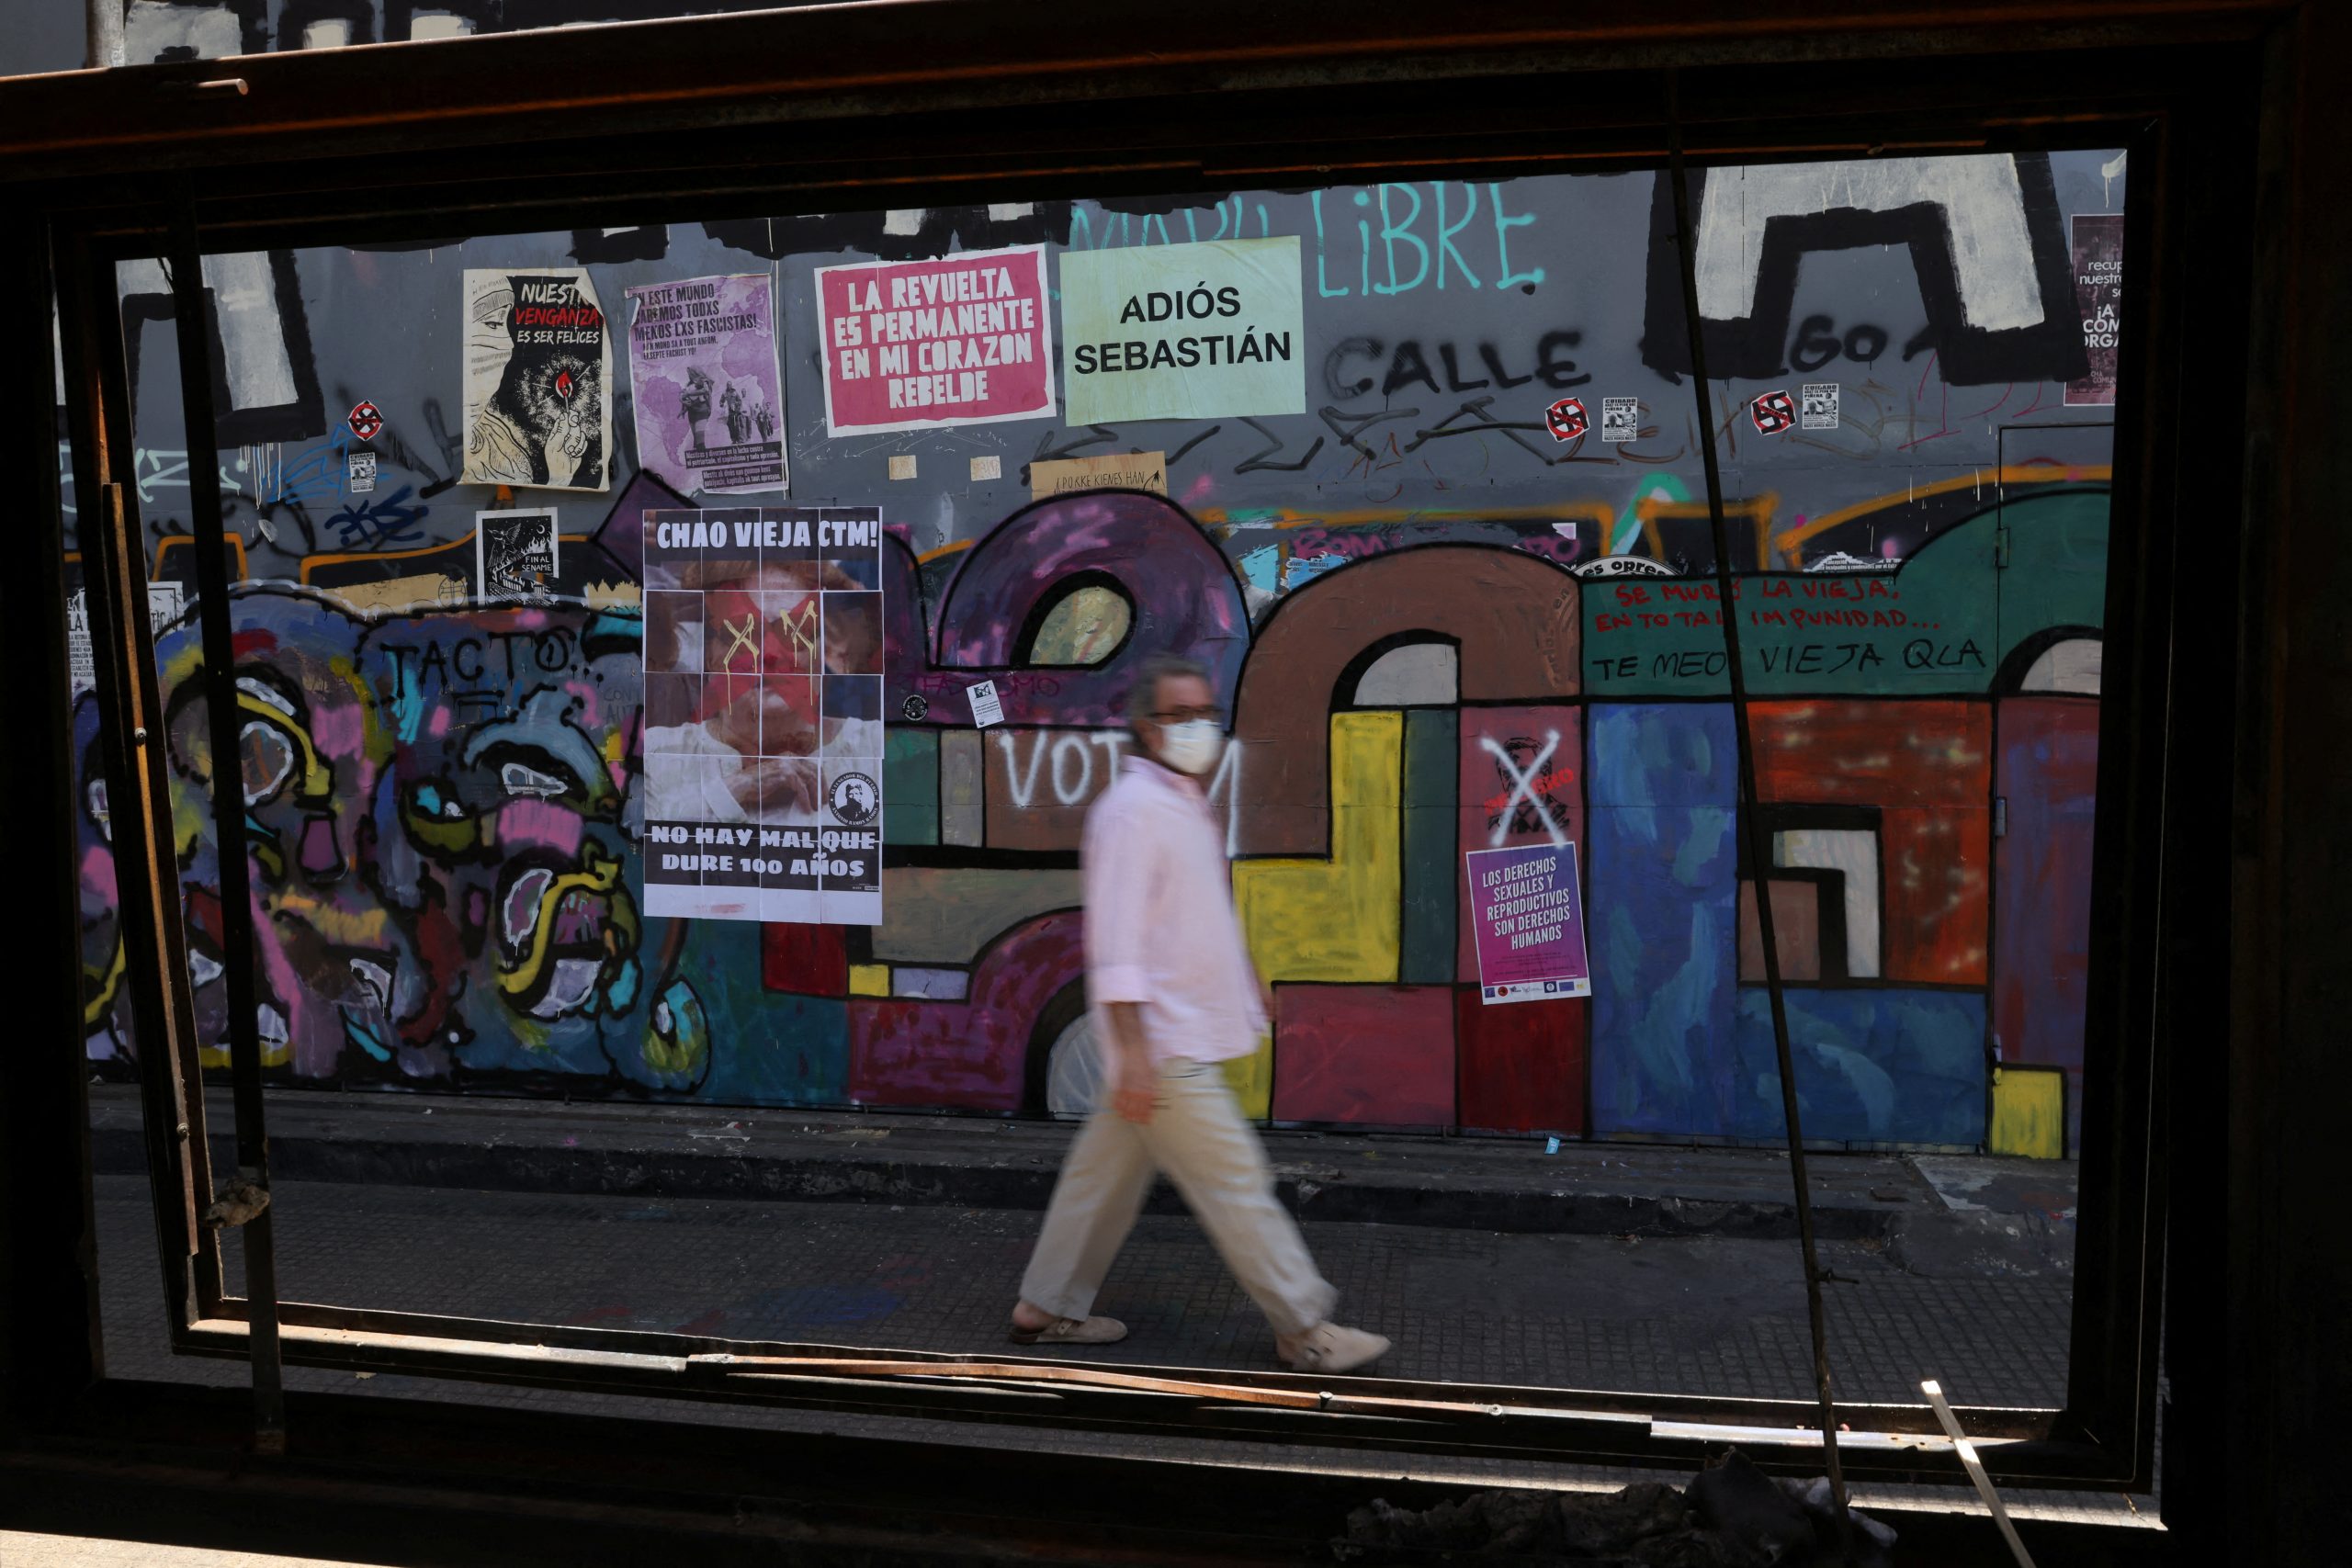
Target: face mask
1192 746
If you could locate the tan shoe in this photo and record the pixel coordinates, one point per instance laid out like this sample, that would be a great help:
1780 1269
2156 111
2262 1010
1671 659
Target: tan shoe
1072 1331
1328 1348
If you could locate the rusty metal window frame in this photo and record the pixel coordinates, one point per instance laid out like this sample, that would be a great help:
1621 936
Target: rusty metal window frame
2105 1433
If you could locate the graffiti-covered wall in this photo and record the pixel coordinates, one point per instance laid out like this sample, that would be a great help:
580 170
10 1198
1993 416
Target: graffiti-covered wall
1427 500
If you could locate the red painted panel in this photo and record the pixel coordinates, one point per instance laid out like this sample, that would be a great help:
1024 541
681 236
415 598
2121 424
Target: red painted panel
807 960
1522 1063
1375 1054
2041 977
1937 871
1796 931
1928 767
1875 752
1488 784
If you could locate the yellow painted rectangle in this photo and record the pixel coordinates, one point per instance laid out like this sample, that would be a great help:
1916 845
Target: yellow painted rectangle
1339 918
869 979
2029 1112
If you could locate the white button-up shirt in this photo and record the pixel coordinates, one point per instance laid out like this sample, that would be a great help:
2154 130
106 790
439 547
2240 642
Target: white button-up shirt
1161 927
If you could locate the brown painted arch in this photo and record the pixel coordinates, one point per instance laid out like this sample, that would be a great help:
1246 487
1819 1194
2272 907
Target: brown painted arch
1515 620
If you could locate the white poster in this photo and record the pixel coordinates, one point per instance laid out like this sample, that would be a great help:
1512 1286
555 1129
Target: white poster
762 721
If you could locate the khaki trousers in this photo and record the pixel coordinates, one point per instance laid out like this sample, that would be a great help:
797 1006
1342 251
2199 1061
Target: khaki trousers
1196 1135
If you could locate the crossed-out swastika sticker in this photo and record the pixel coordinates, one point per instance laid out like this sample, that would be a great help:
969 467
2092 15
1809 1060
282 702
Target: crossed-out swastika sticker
1566 419
1773 413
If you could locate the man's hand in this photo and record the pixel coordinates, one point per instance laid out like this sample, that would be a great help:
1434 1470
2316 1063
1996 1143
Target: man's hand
769 788
1135 1104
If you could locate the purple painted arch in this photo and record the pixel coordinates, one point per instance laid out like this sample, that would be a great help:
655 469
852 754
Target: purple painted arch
1186 600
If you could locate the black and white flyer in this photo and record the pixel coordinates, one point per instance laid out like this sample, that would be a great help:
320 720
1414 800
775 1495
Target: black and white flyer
762 720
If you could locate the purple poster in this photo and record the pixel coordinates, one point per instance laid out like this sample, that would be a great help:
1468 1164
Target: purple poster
1529 912
702 358
2098 294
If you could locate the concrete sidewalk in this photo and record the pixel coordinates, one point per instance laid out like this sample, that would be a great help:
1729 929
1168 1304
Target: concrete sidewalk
2018 1214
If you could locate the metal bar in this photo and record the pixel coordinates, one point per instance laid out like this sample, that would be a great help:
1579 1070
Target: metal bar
190 316
1897 1442
843 60
103 30
1026 1395
147 907
419 1335
1759 862
50 1344
1975 1468
653 179
2154 982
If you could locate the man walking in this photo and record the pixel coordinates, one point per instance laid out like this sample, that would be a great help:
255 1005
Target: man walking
1174 995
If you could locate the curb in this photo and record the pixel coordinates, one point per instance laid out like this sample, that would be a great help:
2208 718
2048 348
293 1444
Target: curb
730 1166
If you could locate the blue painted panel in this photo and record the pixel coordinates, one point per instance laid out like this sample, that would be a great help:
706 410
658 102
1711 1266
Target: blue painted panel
766 1049
1660 754
1662 921
1873 1066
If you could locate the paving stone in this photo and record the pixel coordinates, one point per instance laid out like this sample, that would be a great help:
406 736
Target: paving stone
1679 1314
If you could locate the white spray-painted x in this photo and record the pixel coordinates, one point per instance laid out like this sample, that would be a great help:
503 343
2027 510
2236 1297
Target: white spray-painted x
1522 786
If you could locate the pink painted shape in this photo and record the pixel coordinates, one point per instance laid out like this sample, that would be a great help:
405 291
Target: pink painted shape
339 731
530 824
972 1054
97 873
318 852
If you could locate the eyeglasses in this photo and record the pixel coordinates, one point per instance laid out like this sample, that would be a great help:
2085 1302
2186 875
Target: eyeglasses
1187 715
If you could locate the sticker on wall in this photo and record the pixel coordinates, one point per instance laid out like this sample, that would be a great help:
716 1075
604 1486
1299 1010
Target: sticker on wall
1205 330
961 339
537 369
854 798
1128 470
1621 418
702 377
166 603
1774 413
1819 408
763 714
986 709
1528 913
1621 566
915 709
1566 419
361 473
2095 240
365 420
514 556
1845 561
399 595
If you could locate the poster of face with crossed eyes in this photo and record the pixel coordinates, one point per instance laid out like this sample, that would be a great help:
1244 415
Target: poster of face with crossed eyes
762 723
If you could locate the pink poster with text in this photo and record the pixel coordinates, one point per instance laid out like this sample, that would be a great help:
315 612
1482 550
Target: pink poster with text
964 339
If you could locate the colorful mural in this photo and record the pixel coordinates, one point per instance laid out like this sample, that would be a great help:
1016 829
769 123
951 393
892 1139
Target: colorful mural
1438 630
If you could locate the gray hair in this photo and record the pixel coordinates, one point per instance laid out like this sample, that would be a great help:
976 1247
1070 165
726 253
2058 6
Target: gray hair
1156 671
